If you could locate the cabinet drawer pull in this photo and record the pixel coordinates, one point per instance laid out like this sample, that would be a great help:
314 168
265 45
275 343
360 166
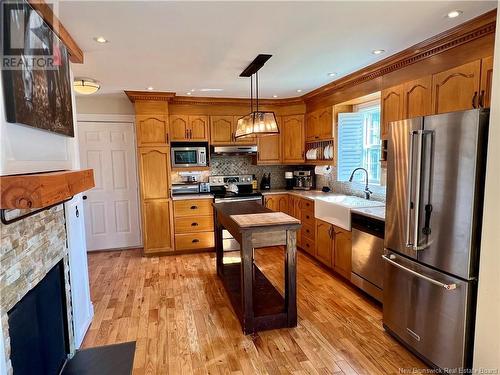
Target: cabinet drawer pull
195 240
194 224
307 245
308 217
474 105
194 207
308 231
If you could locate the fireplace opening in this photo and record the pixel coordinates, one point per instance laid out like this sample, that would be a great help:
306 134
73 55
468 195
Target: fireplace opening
38 327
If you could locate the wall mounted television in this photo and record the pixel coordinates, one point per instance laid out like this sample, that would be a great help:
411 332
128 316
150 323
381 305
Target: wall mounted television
35 71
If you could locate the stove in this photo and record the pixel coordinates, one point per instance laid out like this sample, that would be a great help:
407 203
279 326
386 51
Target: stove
233 188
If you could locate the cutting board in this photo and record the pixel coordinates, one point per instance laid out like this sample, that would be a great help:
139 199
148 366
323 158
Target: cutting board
265 219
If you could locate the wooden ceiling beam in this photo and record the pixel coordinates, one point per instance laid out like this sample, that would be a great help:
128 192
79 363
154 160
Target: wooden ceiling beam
46 12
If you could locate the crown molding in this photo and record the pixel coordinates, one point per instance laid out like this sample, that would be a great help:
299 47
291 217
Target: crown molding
199 100
461 34
149 95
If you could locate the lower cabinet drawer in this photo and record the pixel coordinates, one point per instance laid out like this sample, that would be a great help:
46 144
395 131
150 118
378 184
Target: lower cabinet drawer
307 219
190 224
191 207
307 244
201 240
308 231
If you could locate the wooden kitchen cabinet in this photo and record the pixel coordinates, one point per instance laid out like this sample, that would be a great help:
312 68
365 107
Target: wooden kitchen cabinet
271 202
311 127
189 128
222 129
457 89
391 107
292 139
324 242
319 125
194 224
486 82
417 98
277 202
342 252
152 130
156 206
153 172
269 149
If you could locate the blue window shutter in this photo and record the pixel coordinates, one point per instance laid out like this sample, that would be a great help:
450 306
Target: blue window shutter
350 144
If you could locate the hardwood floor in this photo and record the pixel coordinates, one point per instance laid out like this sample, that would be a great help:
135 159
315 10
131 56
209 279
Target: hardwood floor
177 310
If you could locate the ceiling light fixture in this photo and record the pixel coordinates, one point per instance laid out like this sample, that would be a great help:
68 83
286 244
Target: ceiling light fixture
378 51
454 13
299 90
275 96
256 123
188 93
86 86
101 39
150 88
333 74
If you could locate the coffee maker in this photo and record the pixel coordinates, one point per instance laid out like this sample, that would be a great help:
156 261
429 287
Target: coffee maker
303 180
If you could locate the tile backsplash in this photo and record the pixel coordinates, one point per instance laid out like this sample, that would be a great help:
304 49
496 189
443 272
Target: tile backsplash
241 164
350 188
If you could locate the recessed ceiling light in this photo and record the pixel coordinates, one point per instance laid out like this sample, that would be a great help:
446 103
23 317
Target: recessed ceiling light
454 13
332 74
299 90
192 90
101 39
188 93
378 51
150 88
275 96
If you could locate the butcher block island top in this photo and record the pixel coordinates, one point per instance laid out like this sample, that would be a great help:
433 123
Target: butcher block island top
257 303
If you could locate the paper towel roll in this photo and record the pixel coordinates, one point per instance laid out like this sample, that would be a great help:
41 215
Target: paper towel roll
323 170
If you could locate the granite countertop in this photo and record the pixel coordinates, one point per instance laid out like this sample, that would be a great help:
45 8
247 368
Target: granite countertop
374 212
192 196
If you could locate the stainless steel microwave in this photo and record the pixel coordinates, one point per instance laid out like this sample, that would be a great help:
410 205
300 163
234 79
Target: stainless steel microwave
188 156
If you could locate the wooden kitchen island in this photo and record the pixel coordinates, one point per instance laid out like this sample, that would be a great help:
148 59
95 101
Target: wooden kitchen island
257 303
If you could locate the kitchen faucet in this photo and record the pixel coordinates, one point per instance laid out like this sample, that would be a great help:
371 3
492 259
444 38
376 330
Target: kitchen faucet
368 192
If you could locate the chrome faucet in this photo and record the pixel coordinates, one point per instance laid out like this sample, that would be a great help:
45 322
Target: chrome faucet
367 191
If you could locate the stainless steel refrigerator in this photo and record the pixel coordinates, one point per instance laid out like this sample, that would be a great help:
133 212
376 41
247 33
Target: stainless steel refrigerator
435 181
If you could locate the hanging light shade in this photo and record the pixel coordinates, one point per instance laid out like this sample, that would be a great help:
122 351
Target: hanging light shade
86 86
256 123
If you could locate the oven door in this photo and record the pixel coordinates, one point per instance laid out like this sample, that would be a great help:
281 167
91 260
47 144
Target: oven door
183 157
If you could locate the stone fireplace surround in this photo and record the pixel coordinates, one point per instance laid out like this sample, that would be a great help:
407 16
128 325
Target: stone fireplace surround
29 249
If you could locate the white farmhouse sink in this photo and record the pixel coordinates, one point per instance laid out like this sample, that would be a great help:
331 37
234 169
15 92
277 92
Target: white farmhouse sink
336 209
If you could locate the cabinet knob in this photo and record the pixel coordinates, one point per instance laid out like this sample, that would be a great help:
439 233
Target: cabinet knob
194 224
194 207
195 240
84 197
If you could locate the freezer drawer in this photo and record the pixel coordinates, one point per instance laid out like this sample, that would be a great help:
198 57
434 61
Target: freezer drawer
429 311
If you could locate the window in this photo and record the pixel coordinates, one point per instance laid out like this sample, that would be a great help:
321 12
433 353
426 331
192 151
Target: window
359 143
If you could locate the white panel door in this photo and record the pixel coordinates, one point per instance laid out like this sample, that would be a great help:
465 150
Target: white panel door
78 269
111 207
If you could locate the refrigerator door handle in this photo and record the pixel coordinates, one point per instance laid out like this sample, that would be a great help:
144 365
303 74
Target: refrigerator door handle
391 259
418 183
409 243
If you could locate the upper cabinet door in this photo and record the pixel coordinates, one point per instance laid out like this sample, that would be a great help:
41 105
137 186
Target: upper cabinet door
245 140
292 139
456 89
311 126
152 130
179 126
391 107
221 130
153 169
269 148
325 123
486 82
417 99
198 128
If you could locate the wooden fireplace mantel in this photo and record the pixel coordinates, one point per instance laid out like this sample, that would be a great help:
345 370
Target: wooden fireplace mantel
43 189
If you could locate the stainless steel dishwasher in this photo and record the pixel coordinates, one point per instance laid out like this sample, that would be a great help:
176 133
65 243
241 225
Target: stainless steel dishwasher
367 250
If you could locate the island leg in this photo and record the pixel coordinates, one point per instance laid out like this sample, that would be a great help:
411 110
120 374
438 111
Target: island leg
219 247
291 277
247 282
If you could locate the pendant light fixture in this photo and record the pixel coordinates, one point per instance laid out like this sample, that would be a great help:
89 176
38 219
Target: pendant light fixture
256 123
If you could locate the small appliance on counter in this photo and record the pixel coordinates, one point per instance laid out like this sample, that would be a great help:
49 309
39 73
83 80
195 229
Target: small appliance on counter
189 154
289 180
185 188
265 183
303 180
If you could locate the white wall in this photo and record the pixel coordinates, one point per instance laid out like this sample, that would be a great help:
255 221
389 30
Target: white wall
104 104
487 343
